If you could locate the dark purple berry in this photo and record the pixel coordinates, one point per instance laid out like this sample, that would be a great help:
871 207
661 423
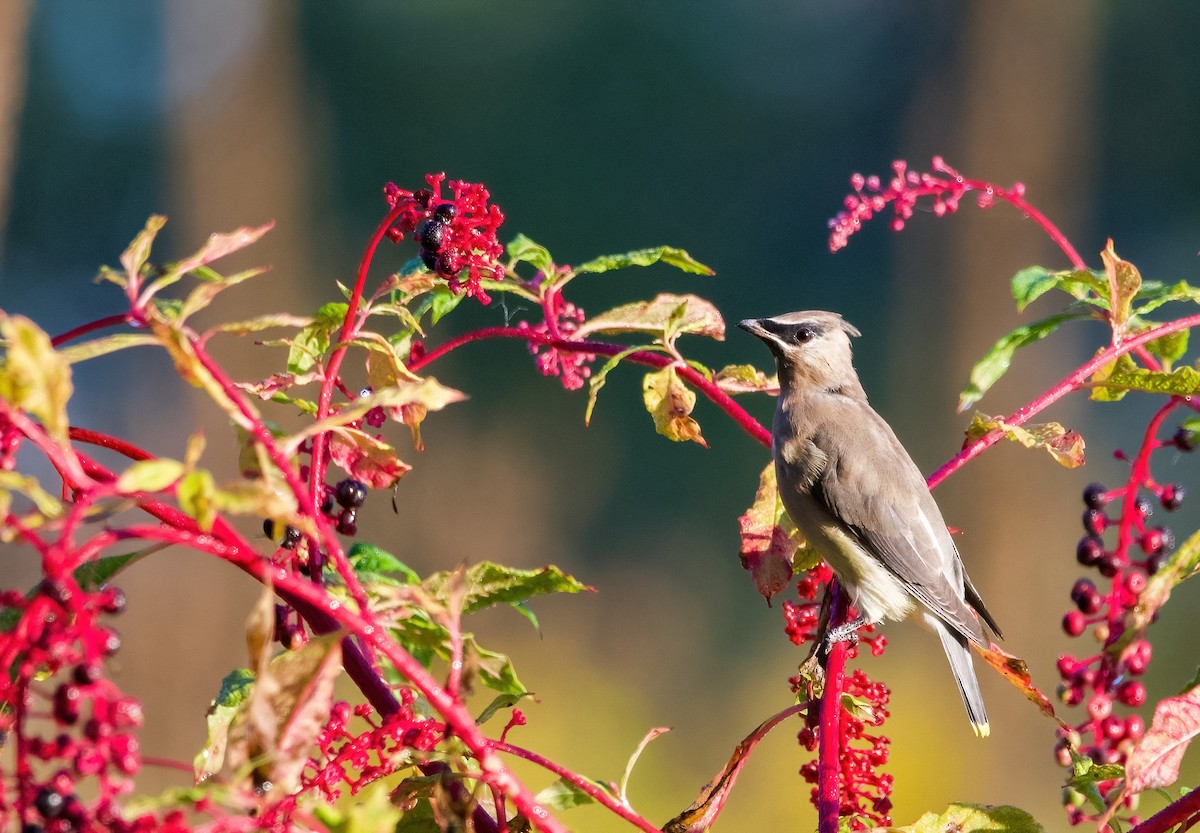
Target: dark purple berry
67 704
1109 564
1172 496
430 259
1094 521
431 234
86 673
50 803
1094 495
1090 550
347 522
1085 596
114 601
1143 507
350 493
422 197
1185 439
448 264
327 501
58 589
445 212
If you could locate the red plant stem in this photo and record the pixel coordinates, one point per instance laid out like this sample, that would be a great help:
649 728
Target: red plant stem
1072 382
128 449
1182 813
1139 474
1042 220
647 357
325 399
829 738
91 326
586 785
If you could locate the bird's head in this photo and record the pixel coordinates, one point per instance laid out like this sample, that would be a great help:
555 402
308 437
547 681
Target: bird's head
812 348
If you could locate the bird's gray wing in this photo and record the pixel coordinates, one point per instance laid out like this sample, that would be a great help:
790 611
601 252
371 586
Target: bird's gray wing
871 485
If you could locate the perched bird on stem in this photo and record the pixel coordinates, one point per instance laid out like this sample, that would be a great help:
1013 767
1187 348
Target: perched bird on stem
859 499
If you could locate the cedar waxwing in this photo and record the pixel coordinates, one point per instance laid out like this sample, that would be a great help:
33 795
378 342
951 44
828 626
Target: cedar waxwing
860 500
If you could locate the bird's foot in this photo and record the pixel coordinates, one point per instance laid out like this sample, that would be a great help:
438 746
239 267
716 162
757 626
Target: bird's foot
847 632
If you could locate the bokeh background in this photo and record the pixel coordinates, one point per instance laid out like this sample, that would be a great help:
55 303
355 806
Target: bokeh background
729 128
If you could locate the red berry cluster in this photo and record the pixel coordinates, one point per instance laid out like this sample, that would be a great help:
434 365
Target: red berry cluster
54 657
454 235
866 792
1106 681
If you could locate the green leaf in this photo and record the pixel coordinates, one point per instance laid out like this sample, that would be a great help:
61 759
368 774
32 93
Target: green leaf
646 257
372 811
234 692
1153 295
669 401
524 250
204 293
1103 393
501 701
1170 348
149 475
217 246
195 493
744 378
667 314
138 252
33 376
85 350
263 322
564 794
489 584
974 818
1065 446
995 363
1031 283
370 560
312 341
1183 381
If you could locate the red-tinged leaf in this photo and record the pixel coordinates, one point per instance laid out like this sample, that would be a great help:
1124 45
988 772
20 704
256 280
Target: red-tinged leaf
1124 281
221 244
680 313
1016 672
974 818
33 376
135 257
278 382
1065 446
670 402
1154 762
85 350
366 458
703 812
745 378
768 548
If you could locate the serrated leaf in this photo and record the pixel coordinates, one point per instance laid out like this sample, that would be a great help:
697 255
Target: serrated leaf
646 257
33 375
659 315
995 363
1100 391
263 322
670 403
488 584
1065 446
135 256
1154 762
370 560
524 250
217 246
1183 381
149 475
234 692
769 539
745 378
311 342
85 350
366 458
974 818
564 795
1124 281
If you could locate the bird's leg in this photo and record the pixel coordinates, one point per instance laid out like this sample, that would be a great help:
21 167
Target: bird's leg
846 632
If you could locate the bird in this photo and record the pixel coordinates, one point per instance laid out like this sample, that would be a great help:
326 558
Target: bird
858 498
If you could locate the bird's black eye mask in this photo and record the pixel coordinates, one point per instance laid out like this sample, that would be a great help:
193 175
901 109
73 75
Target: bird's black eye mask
800 333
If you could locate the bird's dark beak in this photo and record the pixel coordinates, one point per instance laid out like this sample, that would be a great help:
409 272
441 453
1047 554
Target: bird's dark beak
752 326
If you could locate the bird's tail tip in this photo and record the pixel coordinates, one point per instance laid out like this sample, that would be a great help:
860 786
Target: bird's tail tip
982 730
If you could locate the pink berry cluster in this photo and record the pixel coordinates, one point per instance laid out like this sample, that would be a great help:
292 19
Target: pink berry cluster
1106 683
70 729
865 791
903 191
562 318
455 235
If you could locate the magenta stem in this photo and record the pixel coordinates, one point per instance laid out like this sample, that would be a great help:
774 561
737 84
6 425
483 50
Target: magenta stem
645 357
1181 814
91 326
829 737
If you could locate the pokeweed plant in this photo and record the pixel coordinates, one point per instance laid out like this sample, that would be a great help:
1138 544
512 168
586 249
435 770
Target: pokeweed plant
282 749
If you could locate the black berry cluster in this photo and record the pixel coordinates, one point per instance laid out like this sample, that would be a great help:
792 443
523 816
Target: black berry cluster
433 235
349 495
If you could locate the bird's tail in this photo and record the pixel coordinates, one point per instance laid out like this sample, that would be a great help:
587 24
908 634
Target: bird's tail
959 655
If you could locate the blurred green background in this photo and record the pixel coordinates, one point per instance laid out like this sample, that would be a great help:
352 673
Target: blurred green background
728 128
